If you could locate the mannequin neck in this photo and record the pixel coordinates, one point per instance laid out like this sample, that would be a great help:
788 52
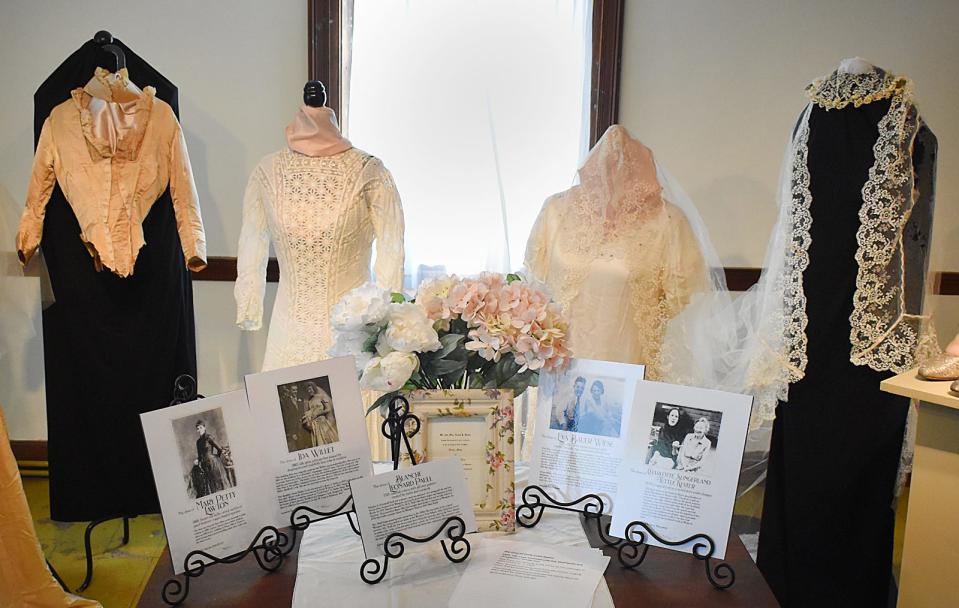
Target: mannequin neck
855 65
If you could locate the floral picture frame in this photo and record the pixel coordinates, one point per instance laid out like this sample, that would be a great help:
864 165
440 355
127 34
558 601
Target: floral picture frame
490 413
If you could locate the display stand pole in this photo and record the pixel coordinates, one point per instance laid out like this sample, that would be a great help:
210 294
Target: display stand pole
271 545
87 545
184 389
56 577
631 551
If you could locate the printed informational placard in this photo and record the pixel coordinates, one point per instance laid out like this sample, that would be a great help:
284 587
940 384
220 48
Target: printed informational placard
208 475
581 419
414 501
681 466
311 432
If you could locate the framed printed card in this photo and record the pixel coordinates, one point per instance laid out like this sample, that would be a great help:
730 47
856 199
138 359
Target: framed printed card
475 425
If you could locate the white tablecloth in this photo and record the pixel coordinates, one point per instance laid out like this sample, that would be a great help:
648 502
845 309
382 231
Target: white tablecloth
328 572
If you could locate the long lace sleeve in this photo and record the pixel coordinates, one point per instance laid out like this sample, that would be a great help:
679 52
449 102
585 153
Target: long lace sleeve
386 213
252 256
42 180
685 266
537 246
186 204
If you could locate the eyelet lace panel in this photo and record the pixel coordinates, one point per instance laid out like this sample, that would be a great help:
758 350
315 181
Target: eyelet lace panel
322 214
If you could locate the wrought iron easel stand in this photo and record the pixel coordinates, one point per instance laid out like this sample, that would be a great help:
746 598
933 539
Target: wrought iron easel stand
271 545
630 551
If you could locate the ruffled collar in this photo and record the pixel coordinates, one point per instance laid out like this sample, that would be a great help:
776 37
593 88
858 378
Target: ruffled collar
115 89
841 89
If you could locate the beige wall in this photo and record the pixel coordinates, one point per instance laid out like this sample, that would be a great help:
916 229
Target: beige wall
712 86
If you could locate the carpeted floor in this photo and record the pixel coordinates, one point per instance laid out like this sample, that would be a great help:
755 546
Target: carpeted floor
120 571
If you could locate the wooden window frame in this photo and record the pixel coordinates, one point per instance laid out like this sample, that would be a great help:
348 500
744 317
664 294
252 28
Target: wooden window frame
324 27
325 24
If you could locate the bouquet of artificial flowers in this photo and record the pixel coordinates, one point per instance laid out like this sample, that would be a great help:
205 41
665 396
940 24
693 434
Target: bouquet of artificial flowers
493 331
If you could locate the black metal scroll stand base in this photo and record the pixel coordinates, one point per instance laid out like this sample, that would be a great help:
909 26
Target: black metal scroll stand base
631 551
271 546
88 549
398 427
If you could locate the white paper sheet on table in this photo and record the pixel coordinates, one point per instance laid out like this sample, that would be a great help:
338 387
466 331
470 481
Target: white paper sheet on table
505 572
330 556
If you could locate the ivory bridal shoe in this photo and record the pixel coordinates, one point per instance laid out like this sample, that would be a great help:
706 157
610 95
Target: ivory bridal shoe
941 367
944 366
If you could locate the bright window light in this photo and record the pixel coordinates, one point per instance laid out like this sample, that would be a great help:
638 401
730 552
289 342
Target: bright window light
479 110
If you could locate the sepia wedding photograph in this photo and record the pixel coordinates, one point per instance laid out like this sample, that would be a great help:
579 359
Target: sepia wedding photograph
590 404
683 438
309 419
204 449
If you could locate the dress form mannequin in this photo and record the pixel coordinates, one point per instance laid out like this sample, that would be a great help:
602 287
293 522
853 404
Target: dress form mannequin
855 65
839 439
322 203
314 94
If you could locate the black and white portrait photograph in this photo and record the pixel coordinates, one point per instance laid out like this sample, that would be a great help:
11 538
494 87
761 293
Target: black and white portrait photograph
590 404
309 419
204 448
683 438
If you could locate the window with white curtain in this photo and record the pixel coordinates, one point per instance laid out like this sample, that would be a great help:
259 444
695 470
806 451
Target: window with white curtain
480 111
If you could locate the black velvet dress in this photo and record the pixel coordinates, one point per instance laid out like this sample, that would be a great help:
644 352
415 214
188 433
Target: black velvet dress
112 346
826 535
209 454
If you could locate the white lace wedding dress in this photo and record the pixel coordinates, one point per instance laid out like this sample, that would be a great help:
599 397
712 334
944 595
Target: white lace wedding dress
619 255
322 214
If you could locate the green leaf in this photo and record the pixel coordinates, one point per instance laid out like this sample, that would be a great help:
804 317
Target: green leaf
397 298
369 345
504 369
520 382
450 343
381 401
445 367
460 354
513 277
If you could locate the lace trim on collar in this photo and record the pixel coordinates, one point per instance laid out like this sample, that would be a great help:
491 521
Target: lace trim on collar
128 146
840 89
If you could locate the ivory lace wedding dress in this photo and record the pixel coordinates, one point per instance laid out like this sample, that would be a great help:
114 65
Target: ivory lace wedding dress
618 254
322 214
